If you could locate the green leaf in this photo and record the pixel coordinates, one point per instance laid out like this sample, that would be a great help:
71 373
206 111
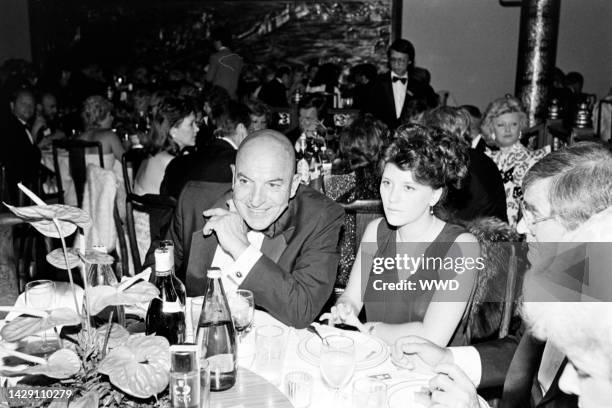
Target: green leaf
41 217
64 363
140 367
25 325
102 296
118 336
56 258
91 399
91 256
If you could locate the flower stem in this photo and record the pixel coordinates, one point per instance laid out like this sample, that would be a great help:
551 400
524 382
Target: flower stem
108 332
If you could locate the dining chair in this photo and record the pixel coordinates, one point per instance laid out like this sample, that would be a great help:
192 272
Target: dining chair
365 211
130 163
159 209
77 169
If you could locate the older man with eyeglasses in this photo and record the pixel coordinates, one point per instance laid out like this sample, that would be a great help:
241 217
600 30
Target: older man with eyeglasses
561 193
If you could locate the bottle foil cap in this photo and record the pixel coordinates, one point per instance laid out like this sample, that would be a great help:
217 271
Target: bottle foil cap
163 260
213 273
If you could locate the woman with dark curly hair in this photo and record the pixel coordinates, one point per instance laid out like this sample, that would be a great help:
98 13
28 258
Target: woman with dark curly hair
400 253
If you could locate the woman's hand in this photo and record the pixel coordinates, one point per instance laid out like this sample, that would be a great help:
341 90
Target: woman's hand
452 388
342 313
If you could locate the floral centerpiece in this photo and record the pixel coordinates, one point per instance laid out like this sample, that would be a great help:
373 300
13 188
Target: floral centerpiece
102 367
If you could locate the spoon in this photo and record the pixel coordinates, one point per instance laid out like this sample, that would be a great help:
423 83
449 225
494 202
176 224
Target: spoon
314 330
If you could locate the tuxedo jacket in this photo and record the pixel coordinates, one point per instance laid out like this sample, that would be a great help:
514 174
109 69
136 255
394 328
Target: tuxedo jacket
513 362
295 275
382 104
483 193
211 163
20 157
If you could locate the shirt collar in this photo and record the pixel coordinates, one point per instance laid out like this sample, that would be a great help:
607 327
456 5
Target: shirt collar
230 142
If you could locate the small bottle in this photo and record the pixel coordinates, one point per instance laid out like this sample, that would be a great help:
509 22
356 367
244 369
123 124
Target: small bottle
184 376
216 335
166 314
101 273
178 284
326 163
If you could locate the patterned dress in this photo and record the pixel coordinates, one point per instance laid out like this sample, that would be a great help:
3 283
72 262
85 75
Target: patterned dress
513 164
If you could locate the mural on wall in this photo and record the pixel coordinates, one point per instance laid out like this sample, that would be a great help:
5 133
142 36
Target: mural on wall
266 32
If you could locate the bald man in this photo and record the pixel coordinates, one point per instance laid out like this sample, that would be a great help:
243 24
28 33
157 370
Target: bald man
268 234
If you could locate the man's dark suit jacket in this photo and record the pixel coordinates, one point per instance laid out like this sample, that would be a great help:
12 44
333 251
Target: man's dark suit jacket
212 163
483 194
295 275
20 157
382 104
513 362
274 94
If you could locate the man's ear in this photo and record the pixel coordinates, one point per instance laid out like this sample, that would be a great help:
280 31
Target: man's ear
172 132
295 183
12 104
233 167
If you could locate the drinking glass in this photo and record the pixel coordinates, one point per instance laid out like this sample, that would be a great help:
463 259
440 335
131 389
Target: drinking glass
242 308
369 393
196 309
204 383
40 294
270 352
299 386
337 361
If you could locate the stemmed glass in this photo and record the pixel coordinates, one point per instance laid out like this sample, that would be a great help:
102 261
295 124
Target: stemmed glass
337 361
242 308
40 294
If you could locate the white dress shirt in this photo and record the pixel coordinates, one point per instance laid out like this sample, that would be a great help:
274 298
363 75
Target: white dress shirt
234 272
399 93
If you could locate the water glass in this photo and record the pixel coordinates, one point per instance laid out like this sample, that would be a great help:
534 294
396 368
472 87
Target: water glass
369 393
337 361
204 383
196 309
270 352
40 294
298 386
242 308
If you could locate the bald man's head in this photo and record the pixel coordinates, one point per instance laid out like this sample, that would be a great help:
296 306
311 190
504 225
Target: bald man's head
264 178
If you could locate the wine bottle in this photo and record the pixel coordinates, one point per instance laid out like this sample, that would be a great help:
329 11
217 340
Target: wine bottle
216 335
303 168
166 314
178 284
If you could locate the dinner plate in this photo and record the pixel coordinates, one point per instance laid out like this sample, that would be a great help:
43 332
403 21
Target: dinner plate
402 394
370 351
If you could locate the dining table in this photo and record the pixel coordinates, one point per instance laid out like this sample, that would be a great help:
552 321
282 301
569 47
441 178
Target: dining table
254 388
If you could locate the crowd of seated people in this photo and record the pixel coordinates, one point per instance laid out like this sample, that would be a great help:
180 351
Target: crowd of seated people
242 207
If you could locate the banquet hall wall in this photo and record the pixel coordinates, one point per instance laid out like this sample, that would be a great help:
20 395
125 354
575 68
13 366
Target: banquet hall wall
14 30
470 46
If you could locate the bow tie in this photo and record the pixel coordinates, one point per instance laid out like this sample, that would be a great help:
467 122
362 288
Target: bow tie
402 80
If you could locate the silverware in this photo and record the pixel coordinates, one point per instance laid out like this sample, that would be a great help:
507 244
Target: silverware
314 330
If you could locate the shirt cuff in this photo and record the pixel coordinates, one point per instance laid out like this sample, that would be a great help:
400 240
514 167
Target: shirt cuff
243 264
468 359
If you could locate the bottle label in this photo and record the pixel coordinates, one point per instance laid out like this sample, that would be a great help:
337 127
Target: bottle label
303 169
172 307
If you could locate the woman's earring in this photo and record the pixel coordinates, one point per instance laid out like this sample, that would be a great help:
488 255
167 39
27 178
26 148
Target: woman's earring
431 210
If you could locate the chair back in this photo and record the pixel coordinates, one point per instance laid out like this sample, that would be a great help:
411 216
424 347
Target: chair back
365 211
77 164
131 160
509 295
159 208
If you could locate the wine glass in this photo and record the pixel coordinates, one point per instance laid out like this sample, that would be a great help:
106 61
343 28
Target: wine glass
337 361
40 294
242 308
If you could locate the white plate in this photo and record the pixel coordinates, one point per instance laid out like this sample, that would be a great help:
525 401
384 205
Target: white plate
401 394
370 351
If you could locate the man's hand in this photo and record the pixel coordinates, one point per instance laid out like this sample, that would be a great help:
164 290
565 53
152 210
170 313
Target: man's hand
416 352
452 388
230 229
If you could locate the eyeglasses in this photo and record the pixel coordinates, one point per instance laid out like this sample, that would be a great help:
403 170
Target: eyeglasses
530 220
